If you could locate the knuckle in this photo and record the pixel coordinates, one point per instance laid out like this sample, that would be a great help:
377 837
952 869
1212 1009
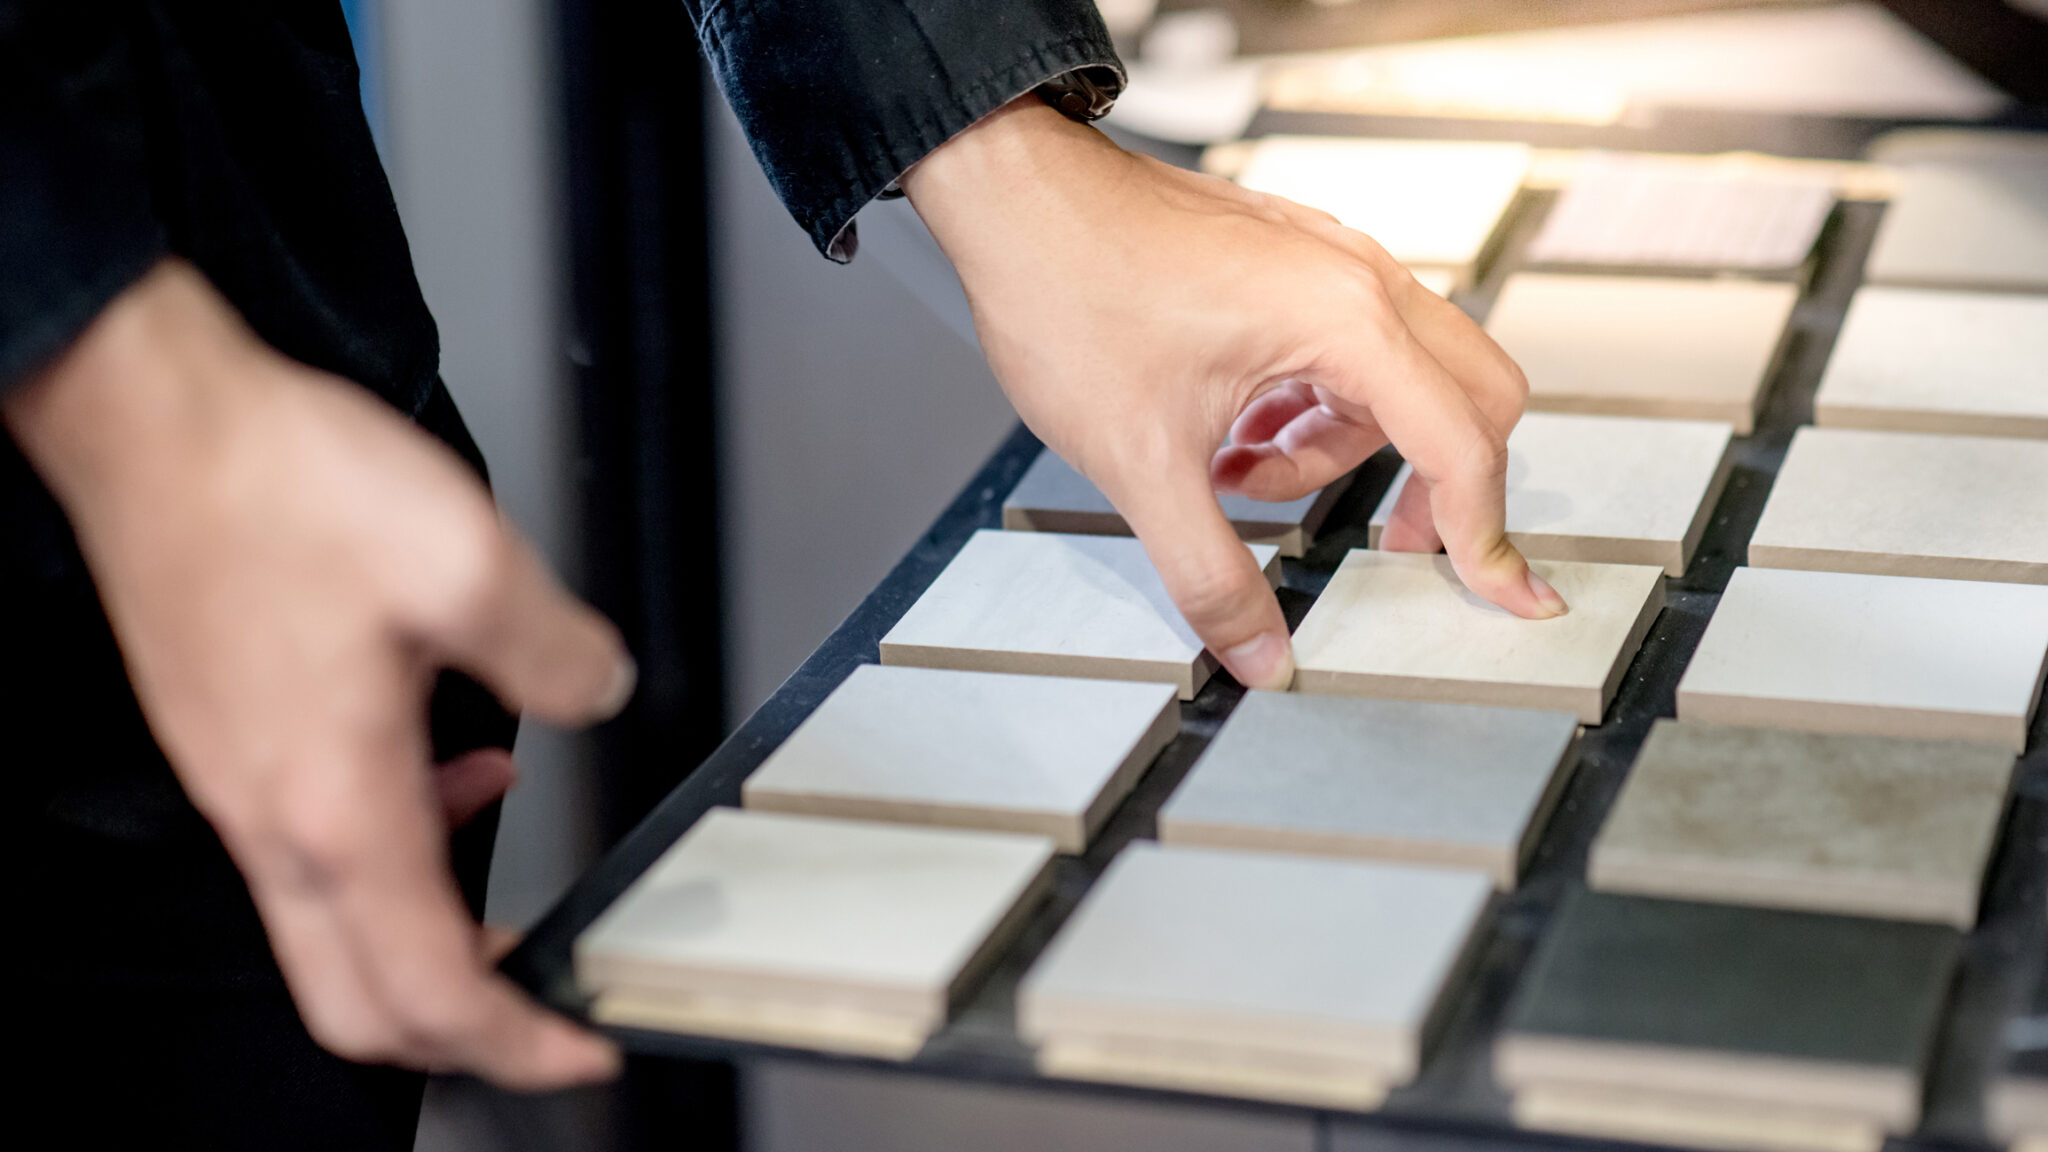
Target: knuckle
1211 597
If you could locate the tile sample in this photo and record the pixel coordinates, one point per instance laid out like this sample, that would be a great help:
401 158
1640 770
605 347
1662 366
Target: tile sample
797 930
1052 497
1966 225
1644 346
1442 784
1881 655
1038 754
2018 1105
1048 604
1610 489
1907 504
1400 626
1722 213
1247 971
1776 1009
1917 360
1692 1122
1863 825
1427 202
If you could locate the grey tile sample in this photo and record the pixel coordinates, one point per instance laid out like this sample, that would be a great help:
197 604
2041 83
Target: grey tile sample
1425 783
1052 497
2019 1100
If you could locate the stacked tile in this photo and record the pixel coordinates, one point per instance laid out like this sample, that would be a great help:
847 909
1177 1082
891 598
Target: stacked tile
1721 213
1052 496
2019 1099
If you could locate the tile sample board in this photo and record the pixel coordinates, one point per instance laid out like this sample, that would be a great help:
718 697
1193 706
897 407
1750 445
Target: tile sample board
1881 655
797 930
2018 1107
1724 213
1427 202
1052 497
1908 504
1982 224
1862 825
1040 754
1920 360
1401 626
1050 604
1644 346
1610 489
1251 973
1788 1010
1443 784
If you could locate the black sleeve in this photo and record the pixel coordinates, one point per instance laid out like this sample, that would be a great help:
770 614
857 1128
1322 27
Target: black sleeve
839 97
75 220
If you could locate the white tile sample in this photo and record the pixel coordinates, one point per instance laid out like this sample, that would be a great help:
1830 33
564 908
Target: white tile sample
1401 626
1723 212
1981 224
798 929
1642 345
1049 604
1427 202
1882 655
1922 360
1908 504
1052 496
1610 489
1039 754
1288 958
1441 784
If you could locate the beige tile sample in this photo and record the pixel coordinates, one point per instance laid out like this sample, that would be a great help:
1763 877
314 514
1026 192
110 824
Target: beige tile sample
1881 655
1050 604
1726 212
1401 626
1644 346
1863 825
1907 504
1442 784
1980 224
1038 754
797 930
1052 497
1921 360
1691 1122
1609 489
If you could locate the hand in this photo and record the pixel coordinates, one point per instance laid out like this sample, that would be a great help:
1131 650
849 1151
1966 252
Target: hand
287 564
1136 313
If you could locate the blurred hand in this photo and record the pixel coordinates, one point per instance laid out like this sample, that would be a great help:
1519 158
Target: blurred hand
1137 314
287 564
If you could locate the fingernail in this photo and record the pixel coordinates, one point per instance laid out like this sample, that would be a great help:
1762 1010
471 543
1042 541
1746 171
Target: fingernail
1265 661
1546 595
625 677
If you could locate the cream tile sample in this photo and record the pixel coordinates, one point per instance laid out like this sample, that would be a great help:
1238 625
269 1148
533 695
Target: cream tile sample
1644 346
1611 489
1049 604
1919 360
1906 504
1038 754
1401 626
1302 957
1966 225
1444 784
786 927
1882 655
1725 212
1864 825
1052 497
1428 202
1702 1122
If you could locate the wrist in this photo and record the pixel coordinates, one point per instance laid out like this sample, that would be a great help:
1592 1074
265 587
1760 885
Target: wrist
1024 153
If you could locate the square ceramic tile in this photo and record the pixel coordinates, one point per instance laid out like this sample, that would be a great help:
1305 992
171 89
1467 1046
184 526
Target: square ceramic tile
1908 504
1915 360
1966 225
1610 489
1445 784
1644 346
1052 497
1882 655
2018 1109
802 930
1864 825
1400 626
1669 1118
1722 212
1427 202
1034 754
1833 1014
1287 961
1047 604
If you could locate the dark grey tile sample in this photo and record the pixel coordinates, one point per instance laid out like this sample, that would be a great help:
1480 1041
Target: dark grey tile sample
1052 496
2026 1037
1742 981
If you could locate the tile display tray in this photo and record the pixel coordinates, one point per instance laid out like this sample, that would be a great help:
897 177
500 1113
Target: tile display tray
1454 1103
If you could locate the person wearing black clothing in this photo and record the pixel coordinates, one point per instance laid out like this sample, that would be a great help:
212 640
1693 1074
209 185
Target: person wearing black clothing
250 568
